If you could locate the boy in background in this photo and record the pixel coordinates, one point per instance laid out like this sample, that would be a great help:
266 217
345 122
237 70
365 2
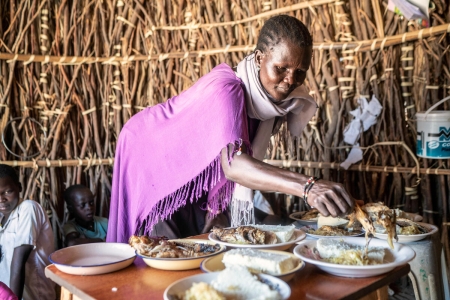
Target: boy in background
26 240
84 227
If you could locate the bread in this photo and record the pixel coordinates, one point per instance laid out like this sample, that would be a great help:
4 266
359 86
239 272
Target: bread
238 283
260 261
283 233
338 251
331 221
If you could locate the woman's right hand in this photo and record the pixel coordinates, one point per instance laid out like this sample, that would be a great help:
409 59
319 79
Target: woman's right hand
330 198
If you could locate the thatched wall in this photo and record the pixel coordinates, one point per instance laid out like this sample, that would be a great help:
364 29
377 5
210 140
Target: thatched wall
83 68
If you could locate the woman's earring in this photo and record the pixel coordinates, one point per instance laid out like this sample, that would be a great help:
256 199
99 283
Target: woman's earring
258 68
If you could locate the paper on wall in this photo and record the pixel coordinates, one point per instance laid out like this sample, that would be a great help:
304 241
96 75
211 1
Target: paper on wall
364 116
354 156
411 9
423 5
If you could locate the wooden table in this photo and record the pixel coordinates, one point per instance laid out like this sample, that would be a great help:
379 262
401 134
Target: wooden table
139 281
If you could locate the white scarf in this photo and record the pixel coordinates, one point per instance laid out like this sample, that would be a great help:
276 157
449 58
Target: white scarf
299 107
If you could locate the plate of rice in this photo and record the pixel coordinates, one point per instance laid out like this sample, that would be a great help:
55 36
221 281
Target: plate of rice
345 256
232 283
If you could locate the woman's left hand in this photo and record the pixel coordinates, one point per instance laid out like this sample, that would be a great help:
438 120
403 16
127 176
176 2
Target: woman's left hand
330 198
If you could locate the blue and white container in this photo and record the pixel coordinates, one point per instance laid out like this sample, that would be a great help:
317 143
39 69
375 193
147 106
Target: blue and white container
433 133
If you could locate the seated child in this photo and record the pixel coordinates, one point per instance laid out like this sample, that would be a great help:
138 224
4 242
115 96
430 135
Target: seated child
84 227
26 241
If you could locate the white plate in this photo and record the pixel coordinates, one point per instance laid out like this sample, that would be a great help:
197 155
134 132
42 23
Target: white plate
214 264
402 238
317 236
393 258
298 217
184 284
178 264
296 237
93 259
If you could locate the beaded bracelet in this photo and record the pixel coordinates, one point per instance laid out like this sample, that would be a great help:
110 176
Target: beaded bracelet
309 184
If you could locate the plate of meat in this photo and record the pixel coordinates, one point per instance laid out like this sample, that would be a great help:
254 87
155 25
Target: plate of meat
408 231
306 217
175 255
257 236
327 231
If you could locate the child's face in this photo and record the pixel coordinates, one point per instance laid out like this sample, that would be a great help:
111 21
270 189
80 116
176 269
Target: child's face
9 195
83 205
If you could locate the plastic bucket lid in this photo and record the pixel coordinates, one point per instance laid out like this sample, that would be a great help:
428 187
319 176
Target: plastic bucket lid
437 115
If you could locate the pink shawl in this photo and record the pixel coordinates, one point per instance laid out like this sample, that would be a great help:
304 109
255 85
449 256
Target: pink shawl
170 153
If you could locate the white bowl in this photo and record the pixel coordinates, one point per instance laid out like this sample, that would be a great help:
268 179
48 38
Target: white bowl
296 237
93 259
215 264
403 238
184 284
178 264
401 254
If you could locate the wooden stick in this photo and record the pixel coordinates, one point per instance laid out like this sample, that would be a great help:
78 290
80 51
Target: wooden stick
360 46
278 163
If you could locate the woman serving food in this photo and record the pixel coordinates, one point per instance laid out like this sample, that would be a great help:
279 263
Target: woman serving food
179 164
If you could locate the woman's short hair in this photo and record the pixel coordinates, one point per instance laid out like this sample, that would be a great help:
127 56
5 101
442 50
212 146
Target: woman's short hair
8 171
283 27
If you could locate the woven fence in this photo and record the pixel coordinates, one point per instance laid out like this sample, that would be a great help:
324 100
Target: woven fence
72 73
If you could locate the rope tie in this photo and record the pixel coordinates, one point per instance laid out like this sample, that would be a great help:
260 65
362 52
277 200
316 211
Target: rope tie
419 35
13 59
382 44
333 88
88 164
30 60
412 192
35 165
372 47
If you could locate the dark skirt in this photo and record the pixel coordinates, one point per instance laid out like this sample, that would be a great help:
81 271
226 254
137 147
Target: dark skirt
189 220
